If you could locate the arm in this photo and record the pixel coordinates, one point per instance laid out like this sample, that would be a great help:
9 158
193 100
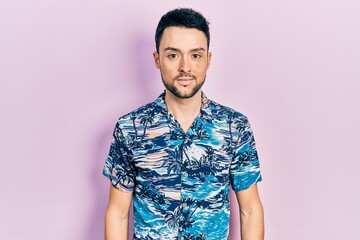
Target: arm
251 214
117 214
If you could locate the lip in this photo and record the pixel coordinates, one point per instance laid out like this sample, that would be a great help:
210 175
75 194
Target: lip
184 81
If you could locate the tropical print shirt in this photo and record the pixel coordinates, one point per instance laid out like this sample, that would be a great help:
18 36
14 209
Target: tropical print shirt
180 181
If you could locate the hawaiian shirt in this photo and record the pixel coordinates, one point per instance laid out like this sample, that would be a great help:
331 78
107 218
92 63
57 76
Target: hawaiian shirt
180 181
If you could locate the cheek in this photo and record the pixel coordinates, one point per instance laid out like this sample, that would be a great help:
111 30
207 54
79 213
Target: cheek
166 73
167 68
201 68
201 64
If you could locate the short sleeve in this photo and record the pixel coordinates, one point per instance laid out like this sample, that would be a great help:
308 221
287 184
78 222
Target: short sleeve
118 165
245 166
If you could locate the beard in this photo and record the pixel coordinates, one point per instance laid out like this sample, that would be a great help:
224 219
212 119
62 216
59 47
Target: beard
174 90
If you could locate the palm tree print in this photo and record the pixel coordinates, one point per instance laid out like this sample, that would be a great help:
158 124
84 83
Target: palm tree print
191 236
173 161
172 218
180 181
186 221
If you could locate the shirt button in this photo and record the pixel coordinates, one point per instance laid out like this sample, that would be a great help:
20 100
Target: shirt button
184 205
186 174
186 141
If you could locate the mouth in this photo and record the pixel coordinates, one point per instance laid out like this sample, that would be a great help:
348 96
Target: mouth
184 81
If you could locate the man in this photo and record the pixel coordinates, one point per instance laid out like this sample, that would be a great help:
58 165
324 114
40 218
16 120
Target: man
176 157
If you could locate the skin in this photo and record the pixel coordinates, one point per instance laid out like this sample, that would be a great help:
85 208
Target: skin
117 214
183 60
251 214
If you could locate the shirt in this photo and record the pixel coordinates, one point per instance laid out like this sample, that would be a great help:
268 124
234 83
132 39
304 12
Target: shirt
180 181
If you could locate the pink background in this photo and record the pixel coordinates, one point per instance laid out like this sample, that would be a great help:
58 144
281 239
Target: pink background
70 68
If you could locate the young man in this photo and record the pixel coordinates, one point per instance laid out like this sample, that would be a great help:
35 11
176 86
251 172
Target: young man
176 157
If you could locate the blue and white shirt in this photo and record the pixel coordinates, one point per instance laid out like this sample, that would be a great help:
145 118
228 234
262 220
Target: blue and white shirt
180 181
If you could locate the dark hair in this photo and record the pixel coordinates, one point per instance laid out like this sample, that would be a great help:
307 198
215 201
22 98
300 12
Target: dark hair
182 17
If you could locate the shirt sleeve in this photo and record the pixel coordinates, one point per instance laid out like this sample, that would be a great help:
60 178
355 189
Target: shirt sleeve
118 165
245 166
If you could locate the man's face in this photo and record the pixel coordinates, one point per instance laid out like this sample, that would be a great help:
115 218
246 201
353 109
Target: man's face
183 60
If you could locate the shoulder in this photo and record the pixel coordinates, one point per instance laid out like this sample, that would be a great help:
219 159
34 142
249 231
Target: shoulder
223 112
235 120
129 124
137 113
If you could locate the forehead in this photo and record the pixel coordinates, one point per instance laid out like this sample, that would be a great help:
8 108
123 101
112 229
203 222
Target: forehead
183 38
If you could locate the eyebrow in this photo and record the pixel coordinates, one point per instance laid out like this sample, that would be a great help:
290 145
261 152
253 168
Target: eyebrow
178 50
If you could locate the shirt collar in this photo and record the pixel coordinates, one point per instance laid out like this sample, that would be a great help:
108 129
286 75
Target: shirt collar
205 111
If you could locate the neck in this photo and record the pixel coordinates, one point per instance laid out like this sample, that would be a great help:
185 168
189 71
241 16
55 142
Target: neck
184 110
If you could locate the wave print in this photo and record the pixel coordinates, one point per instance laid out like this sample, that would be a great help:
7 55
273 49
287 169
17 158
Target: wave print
181 181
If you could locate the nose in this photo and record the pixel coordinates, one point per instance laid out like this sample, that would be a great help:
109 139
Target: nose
185 65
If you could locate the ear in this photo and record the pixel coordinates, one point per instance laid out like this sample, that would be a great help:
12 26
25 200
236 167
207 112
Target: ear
156 59
209 60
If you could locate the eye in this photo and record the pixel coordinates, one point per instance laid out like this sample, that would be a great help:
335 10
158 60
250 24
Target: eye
172 56
196 56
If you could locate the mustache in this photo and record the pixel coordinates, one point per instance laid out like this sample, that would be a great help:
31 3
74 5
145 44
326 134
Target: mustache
187 75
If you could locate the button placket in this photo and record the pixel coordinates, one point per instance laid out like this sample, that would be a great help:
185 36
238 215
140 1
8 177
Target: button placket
183 175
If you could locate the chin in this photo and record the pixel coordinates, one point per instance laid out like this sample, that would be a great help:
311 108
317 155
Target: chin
184 94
